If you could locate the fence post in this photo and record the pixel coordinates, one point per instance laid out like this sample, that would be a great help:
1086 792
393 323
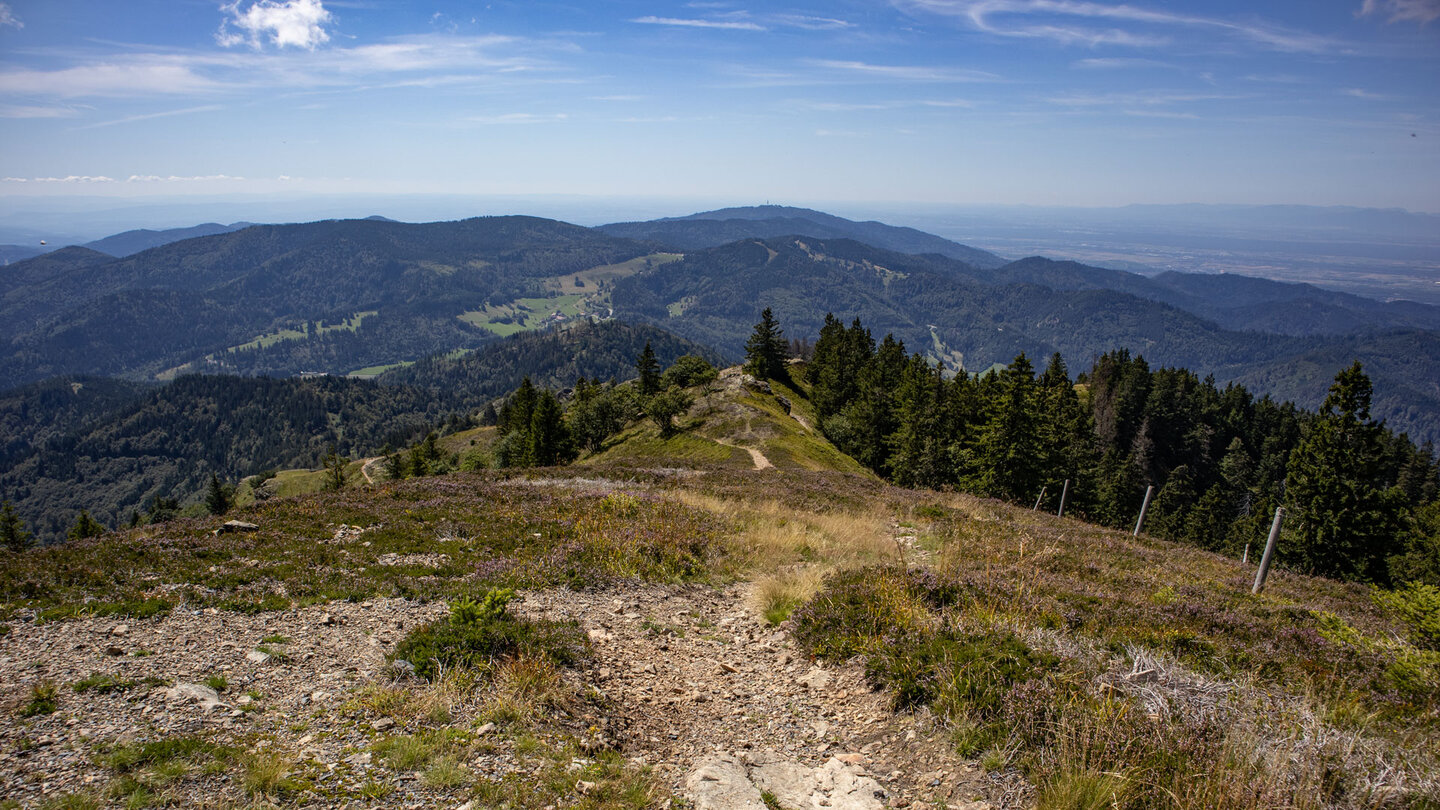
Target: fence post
1264 569
1150 490
1038 500
1245 558
1063 493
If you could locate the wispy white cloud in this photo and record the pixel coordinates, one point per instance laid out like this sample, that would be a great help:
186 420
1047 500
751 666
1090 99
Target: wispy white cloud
132 76
1119 63
148 116
810 23
732 25
617 97
1136 100
1357 92
517 118
843 106
1421 11
73 178
36 111
426 60
298 23
908 73
1065 21
7 17
199 178
1179 116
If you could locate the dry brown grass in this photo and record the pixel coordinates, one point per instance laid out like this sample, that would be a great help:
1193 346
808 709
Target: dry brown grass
788 550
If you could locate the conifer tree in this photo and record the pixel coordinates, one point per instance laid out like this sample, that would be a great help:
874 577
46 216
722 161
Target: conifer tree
549 438
1346 517
85 526
1008 455
649 369
334 470
766 350
13 535
217 500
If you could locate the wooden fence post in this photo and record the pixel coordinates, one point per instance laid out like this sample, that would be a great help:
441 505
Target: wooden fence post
1150 490
1038 500
1063 493
1264 569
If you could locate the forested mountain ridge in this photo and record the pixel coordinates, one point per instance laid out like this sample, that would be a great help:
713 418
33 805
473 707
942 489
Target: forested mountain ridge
1235 301
112 446
191 299
169 442
715 228
129 243
940 308
551 359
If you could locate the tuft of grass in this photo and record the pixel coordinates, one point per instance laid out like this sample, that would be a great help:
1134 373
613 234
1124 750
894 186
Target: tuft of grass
266 775
1083 790
44 699
192 750
101 683
446 772
776 595
217 682
71 801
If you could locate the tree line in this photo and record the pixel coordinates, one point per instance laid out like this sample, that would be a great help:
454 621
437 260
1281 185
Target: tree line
1361 499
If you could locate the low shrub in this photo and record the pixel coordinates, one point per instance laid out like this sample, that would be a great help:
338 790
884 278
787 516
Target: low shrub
1418 605
479 633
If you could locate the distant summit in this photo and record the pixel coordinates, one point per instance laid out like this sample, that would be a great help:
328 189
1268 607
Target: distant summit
714 228
129 243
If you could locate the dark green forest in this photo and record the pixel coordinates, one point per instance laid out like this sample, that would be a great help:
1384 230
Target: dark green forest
112 447
1361 499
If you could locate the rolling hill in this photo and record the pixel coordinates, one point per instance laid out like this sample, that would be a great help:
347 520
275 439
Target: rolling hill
270 288
715 228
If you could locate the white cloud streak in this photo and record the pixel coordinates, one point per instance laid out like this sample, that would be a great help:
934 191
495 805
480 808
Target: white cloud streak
7 17
1056 20
298 23
730 25
448 60
148 116
517 118
1420 11
36 111
907 73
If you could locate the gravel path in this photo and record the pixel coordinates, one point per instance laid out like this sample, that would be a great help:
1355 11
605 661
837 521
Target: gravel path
687 671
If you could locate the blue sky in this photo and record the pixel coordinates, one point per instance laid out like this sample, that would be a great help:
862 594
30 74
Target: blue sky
1046 102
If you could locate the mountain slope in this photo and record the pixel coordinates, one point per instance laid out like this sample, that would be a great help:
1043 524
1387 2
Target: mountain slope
274 288
132 242
168 442
551 359
713 296
714 228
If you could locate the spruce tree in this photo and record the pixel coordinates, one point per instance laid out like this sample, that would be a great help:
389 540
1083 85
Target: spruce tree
13 535
85 526
549 438
217 500
334 470
766 350
649 369
1346 517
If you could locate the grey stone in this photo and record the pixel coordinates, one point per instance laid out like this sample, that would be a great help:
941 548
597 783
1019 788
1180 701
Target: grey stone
723 784
198 693
237 526
257 657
